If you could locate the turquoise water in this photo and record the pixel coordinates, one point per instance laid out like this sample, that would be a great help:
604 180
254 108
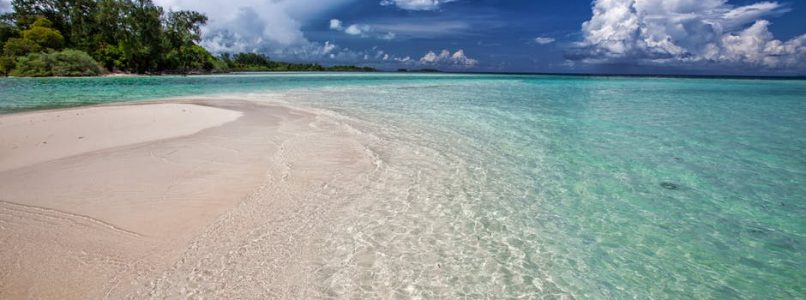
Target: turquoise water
543 186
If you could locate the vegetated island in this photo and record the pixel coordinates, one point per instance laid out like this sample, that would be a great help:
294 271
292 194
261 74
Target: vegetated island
94 37
419 71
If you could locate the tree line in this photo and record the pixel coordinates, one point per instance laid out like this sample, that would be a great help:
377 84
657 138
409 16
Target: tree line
256 62
90 37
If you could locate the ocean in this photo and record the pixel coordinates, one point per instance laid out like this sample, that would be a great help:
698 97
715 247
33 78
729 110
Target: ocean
539 186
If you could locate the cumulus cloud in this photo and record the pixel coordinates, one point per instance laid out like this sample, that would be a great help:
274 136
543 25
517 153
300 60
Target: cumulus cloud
445 57
388 36
336 24
328 47
357 29
403 60
687 31
272 27
362 30
416 4
544 40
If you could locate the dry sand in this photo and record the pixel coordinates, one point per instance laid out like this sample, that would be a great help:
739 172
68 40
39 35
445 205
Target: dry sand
218 198
30 138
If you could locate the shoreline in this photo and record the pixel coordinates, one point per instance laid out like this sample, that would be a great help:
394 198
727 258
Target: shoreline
133 215
799 77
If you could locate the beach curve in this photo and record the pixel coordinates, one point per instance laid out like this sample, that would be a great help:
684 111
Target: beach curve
126 217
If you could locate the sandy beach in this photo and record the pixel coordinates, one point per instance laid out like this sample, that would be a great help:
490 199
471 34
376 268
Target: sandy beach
215 198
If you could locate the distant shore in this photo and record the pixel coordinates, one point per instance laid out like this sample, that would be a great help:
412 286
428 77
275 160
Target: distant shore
693 76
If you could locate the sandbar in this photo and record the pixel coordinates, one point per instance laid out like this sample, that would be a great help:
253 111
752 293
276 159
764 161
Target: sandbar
150 199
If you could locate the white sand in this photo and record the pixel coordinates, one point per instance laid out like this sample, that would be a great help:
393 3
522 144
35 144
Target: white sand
220 199
30 138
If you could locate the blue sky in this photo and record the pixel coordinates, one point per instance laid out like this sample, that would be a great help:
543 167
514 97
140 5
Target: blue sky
549 36
749 37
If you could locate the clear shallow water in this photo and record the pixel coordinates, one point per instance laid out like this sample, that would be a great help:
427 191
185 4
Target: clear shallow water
543 186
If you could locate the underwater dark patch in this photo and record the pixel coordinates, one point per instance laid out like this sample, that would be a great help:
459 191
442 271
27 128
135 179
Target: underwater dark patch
669 185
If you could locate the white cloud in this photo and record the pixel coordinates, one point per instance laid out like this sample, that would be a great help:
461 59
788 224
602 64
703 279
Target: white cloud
432 57
404 60
416 4
336 24
328 47
544 40
362 30
446 58
388 36
687 31
272 27
357 29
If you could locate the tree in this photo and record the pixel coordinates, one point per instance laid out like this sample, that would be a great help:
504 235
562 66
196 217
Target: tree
251 59
7 18
7 31
109 21
74 63
7 64
64 63
28 12
33 65
17 47
183 31
184 27
110 57
44 36
129 35
83 26
110 30
226 58
141 42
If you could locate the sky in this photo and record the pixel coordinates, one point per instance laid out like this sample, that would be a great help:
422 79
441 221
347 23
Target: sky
710 37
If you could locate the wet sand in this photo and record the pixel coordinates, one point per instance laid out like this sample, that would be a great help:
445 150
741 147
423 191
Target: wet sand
220 198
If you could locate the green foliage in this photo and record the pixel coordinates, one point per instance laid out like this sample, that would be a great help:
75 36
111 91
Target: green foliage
219 66
110 57
42 22
44 37
143 45
35 39
128 35
194 58
65 63
349 69
7 18
108 24
7 32
256 62
246 60
33 65
420 70
17 47
72 62
123 35
184 27
183 31
7 64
